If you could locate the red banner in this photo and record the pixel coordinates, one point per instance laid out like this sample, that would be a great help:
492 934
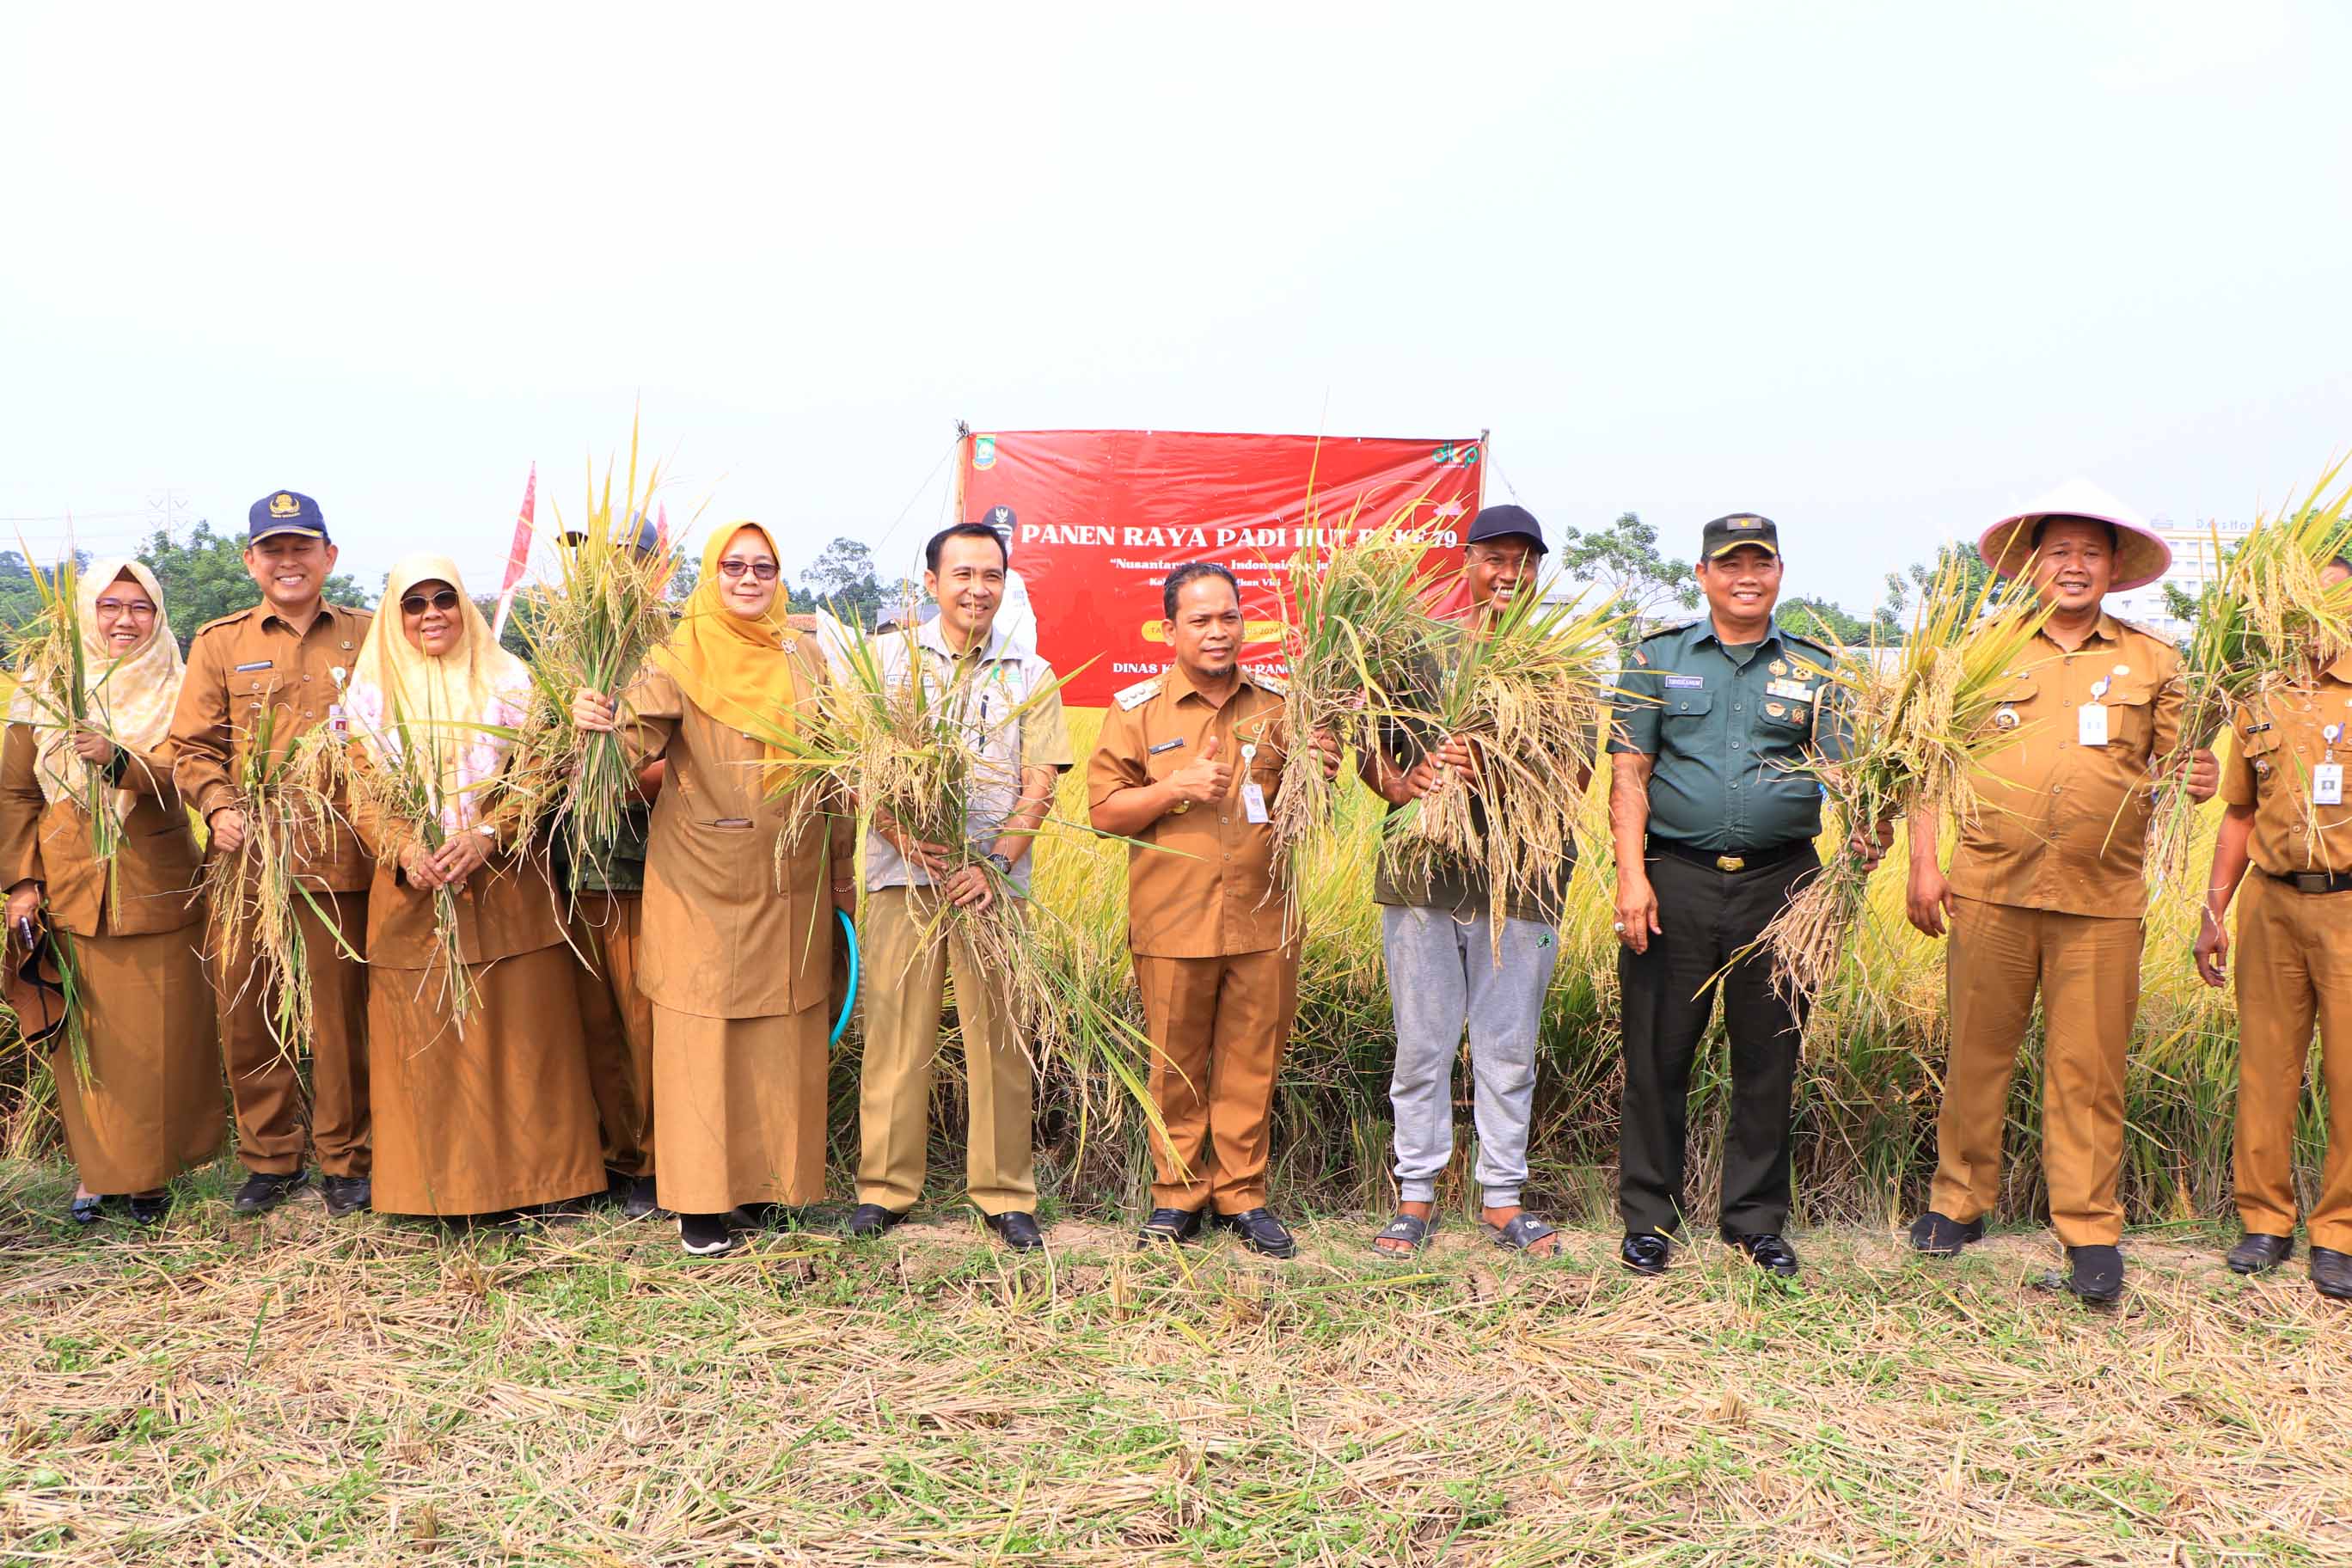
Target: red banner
1101 517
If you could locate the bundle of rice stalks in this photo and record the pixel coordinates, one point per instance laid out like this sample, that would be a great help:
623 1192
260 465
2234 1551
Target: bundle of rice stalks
394 773
1916 720
1352 630
53 678
256 897
893 748
1528 693
602 607
2259 626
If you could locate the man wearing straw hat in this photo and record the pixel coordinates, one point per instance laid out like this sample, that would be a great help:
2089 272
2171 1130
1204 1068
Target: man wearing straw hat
288 656
2046 889
2284 787
1714 820
1016 707
1448 974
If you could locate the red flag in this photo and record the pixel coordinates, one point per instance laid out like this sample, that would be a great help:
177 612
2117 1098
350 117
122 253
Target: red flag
518 554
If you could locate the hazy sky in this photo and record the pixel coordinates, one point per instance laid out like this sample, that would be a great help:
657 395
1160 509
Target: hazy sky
1880 271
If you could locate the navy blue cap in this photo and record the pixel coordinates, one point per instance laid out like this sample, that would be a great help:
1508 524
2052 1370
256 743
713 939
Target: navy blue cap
285 512
1508 522
641 535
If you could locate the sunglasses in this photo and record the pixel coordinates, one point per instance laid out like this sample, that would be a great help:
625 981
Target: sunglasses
418 604
763 571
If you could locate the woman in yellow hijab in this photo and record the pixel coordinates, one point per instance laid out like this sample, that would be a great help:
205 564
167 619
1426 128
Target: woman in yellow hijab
490 1112
148 1106
739 923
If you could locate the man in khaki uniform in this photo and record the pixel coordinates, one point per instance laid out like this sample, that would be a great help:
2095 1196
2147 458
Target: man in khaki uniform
291 652
2046 891
1188 762
2285 788
1013 701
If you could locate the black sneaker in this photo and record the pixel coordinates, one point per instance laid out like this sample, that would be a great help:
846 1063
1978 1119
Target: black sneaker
642 1201
2098 1274
706 1234
346 1194
1940 1236
1259 1231
773 1216
264 1190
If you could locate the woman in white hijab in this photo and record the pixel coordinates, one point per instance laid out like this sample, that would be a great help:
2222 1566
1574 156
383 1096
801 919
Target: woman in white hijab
491 1113
146 1104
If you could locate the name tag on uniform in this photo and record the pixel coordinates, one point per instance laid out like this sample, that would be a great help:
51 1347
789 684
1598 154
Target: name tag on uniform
257 664
1166 746
1795 691
1253 794
1685 680
2327 785
2091 724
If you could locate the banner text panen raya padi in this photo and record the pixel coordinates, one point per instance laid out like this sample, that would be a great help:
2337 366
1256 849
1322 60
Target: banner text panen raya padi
1101 517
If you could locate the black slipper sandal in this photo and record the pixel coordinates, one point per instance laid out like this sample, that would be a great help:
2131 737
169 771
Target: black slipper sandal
1521 1234
89 1210
1405 1227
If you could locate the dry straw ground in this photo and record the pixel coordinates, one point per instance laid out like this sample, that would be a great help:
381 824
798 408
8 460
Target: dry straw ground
296 1390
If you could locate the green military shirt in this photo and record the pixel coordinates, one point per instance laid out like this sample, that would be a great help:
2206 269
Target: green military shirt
624 870
1729 728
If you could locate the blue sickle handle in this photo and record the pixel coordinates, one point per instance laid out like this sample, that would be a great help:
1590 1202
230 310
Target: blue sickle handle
848 1002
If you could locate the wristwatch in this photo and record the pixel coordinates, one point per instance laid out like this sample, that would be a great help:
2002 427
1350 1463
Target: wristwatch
1004 863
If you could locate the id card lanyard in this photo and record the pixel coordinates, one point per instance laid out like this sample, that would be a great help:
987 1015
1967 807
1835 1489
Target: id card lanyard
2091 721
2327 778
1253 793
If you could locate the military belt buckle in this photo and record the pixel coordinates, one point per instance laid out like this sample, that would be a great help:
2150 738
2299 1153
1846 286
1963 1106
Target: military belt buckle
1731 862
2312 881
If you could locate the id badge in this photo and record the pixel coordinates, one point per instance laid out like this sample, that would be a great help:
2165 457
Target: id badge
2327 785
337 725
1253 802
2091 728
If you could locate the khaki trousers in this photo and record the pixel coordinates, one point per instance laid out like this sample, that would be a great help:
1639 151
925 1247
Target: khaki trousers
619 1020
2087 969
263 1081
1218 1026
2294 967
903 969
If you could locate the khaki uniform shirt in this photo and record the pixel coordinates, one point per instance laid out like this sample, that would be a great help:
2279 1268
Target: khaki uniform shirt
734 928
235 665
1013 711
2060 826
2274 743
1222 892
154 868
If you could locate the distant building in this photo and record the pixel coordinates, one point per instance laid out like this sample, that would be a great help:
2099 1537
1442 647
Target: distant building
2197 551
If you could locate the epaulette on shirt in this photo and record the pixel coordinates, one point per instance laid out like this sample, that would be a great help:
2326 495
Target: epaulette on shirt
1274 683
1141 692
223 620
1638 657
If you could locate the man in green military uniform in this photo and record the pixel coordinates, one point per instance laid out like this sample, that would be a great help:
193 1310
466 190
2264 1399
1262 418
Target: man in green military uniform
1714 823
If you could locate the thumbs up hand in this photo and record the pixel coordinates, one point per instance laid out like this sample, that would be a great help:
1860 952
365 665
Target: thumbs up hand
1206 779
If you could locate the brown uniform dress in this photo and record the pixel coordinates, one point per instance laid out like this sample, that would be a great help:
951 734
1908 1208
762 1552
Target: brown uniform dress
737 958
1215 957
153 1108
2294 954
498 1117
235 665
2050 896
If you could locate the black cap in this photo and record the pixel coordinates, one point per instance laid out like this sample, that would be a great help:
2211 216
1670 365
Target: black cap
1508 522
640 536
1726 535
284 511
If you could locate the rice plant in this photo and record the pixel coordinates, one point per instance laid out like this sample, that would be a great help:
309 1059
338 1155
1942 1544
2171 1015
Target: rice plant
53 679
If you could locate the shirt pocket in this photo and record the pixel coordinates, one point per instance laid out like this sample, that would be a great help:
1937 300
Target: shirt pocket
1685 704
2131 714
255 688
2261 750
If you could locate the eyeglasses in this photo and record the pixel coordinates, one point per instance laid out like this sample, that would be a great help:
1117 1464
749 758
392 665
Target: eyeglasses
764 570
418 604
132 607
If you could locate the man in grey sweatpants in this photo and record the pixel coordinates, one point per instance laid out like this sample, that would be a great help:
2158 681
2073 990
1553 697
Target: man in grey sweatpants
1444 976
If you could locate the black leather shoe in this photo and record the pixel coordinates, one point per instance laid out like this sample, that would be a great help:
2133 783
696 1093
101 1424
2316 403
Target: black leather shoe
264 1190
1169 1226
1647 1253
89 1210
642 1201
1260 1232
868 1220
1019 1230
2098 1274
149 1208
2331 1273
346 1194
1940 1236
705 1234
2258 1254
1769 1251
